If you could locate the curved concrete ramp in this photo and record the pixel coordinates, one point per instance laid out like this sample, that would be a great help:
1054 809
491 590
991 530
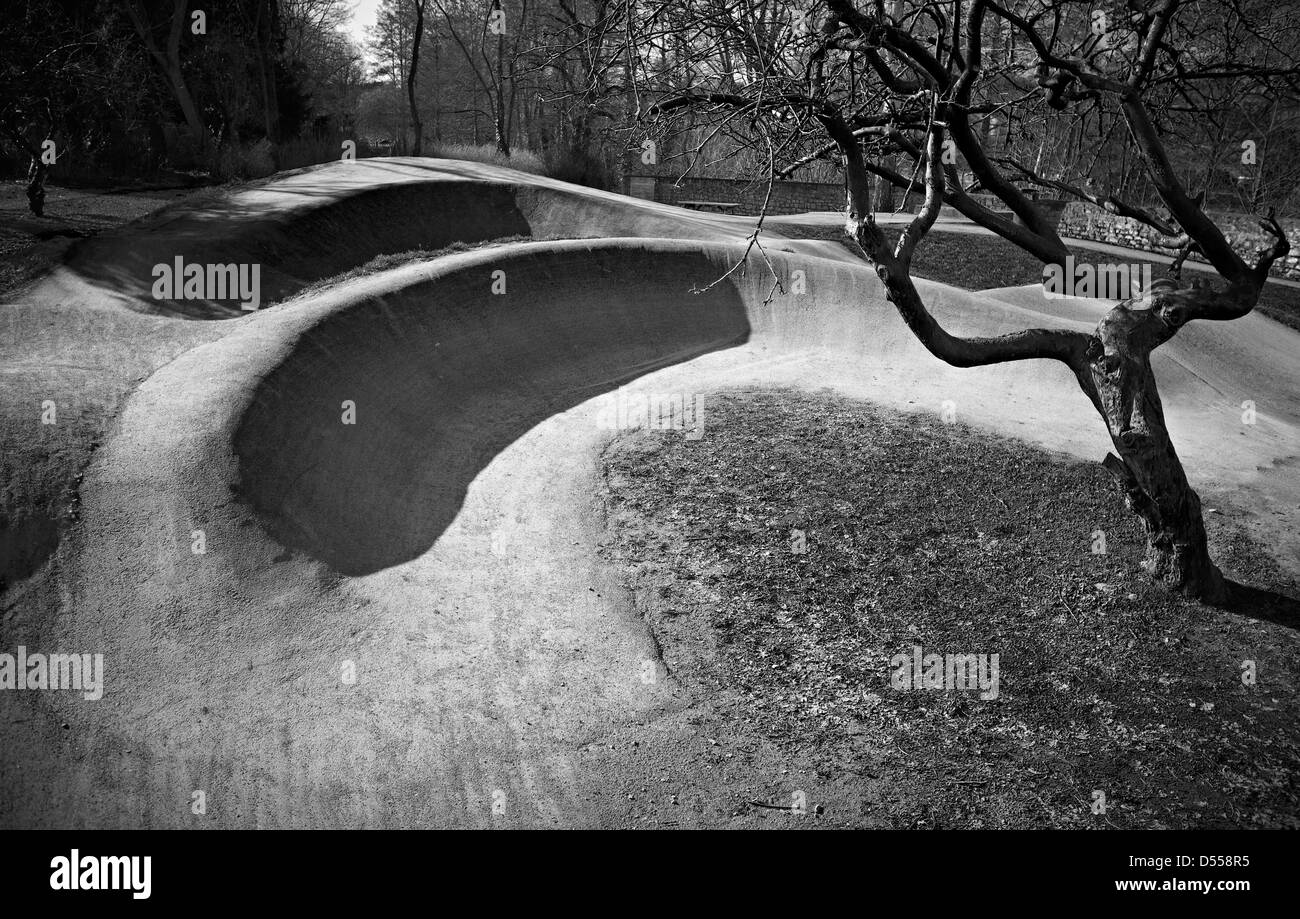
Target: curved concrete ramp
442 373
322 221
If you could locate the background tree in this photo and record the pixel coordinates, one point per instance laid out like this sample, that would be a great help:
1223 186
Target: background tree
171 19
68 78
325 63
489 42
417 129
580 84
394 48
254 84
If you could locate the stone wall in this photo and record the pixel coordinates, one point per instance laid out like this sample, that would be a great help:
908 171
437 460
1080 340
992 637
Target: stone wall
1086 221
787 197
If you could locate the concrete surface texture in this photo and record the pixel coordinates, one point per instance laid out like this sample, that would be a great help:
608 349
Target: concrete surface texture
444 546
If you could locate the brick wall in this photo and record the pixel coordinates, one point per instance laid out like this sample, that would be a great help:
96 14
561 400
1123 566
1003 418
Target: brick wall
1086 221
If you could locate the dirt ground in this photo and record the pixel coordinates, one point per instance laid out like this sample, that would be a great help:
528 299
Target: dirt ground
911 532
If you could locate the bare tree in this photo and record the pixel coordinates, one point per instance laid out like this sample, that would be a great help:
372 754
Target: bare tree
168 57
864 83
576 81
46 73
495 73
265 27
330 64
417 129
24 116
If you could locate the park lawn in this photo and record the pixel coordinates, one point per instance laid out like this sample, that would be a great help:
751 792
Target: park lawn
921 533
31 246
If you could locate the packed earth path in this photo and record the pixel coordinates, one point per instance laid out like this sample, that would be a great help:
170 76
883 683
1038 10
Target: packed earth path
400 615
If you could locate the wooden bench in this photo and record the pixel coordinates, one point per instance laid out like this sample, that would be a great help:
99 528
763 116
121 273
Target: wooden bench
720 207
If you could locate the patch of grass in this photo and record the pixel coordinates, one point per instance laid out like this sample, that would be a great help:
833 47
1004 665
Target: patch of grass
23 259
523 160
975 261
920 533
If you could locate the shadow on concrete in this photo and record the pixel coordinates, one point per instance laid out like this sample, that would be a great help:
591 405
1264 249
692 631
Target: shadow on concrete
444 374
297 246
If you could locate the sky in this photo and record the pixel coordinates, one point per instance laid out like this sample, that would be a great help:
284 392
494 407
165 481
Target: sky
363 16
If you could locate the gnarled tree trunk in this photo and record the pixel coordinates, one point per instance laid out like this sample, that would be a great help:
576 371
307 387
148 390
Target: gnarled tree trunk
1120 382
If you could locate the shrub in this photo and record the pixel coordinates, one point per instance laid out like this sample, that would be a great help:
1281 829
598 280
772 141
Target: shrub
310 149
241 161
580 168
523 160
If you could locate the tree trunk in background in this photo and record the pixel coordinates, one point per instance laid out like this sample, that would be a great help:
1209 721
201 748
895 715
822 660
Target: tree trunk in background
170 63
35 172
36 187
502 132
267 27
189 110
437 109
883 193
416 128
